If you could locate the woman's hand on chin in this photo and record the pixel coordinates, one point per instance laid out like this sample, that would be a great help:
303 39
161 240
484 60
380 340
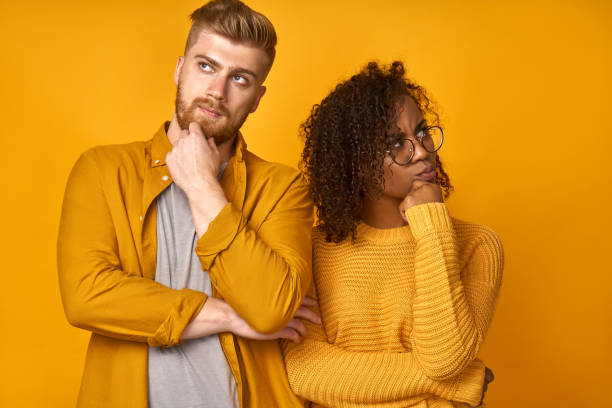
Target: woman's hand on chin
422 192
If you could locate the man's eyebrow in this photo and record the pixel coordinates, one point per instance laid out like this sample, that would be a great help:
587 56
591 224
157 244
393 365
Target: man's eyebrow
207 58
235 70
239 70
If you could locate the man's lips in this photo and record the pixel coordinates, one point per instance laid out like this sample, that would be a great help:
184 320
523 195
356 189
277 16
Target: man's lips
209 111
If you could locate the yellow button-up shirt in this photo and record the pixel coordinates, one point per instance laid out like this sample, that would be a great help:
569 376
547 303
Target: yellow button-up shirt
257 252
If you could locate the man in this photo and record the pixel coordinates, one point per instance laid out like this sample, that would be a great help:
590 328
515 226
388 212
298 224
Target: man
164 244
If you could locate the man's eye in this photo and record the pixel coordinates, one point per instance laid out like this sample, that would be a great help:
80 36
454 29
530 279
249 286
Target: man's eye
240 79
205 66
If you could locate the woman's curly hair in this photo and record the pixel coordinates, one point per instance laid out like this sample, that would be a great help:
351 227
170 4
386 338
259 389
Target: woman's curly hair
347 136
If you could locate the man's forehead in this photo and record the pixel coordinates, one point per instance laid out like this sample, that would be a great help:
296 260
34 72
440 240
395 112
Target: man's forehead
227 52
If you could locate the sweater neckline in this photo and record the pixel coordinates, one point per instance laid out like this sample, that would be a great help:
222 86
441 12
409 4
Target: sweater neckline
370 233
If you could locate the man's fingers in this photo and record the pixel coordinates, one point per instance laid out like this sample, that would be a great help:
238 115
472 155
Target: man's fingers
182 135
307 314
308 301
195 129
289 334
304 313
212 144
298 326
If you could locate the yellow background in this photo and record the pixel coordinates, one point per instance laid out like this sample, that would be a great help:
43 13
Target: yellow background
524 89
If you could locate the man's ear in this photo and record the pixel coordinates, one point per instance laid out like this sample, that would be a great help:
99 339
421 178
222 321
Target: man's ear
262 91
177 70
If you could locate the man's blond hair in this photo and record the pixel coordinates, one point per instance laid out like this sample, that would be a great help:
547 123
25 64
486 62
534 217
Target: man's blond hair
237 22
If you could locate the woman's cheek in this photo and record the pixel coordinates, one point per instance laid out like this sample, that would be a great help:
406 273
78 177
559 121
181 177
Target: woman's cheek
397 183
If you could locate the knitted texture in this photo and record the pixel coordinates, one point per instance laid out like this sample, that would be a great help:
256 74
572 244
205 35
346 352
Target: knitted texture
404 311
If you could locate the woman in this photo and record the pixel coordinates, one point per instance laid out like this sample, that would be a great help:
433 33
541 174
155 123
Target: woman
405 292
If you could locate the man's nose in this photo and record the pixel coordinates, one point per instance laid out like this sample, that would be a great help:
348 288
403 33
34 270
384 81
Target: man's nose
216 88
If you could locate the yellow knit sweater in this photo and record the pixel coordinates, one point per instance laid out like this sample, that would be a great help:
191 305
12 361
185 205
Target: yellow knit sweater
404 311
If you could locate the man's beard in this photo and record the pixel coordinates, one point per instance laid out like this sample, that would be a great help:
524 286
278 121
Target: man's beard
185 114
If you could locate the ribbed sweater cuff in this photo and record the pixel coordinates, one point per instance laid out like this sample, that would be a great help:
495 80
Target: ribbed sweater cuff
470 385
426 218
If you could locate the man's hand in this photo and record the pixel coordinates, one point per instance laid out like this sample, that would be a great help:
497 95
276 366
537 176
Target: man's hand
294 331
217 317
194 161
422 192
194 164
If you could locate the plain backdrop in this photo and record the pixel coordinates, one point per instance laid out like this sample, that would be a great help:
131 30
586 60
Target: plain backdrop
524 93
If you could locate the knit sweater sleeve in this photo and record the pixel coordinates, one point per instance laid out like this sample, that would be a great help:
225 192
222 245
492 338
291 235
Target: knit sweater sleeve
330 375
453 304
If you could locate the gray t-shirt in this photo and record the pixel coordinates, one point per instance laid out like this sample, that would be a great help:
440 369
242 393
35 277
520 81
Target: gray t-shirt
194 374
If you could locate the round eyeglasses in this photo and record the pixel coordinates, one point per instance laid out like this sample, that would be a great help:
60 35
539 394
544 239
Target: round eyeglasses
430 138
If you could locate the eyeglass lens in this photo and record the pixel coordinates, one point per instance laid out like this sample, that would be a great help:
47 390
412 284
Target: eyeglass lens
430 139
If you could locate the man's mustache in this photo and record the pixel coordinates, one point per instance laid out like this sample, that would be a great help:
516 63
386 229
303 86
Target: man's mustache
211 104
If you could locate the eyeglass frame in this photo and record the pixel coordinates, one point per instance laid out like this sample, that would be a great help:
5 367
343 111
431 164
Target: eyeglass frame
420 140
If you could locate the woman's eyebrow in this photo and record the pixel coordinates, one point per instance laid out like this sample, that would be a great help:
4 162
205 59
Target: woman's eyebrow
420 125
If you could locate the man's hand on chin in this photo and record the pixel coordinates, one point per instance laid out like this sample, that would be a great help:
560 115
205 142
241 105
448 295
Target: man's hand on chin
194 165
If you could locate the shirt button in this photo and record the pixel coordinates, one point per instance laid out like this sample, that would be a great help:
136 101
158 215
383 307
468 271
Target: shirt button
165 178
141 218
156 161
